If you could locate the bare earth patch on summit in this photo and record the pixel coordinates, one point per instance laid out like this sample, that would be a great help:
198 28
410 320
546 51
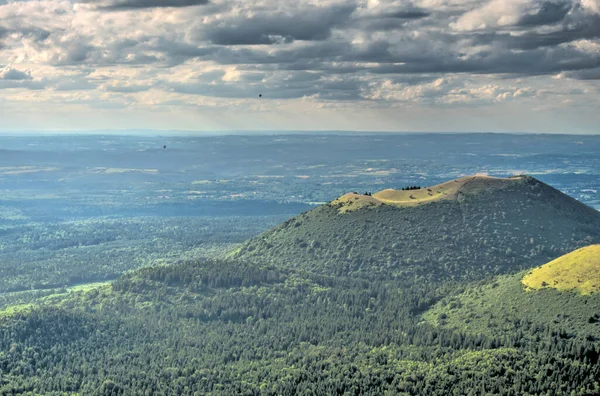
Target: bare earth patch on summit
451 190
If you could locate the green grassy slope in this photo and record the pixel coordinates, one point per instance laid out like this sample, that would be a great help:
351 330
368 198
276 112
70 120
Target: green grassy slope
506 308
578 270
486 230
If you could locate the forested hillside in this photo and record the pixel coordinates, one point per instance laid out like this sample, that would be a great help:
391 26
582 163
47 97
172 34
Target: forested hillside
223 327
484 231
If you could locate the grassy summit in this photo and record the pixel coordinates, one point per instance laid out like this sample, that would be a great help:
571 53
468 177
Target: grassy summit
451 190
578 270
352 201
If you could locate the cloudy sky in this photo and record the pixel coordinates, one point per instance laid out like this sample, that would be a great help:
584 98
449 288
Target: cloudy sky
395 65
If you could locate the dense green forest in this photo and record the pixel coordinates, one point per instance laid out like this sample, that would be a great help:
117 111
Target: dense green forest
44 255
505 307
227 327
382 300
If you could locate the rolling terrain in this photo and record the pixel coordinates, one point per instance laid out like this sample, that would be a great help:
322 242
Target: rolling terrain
391 298
231 327
468 228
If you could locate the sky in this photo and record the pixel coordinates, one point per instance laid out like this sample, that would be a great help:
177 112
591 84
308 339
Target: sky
360 65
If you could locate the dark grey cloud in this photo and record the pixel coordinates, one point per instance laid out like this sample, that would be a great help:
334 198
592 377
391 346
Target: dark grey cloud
8 73
406 14
225 40
420 57
549 13
312 24
536 62
125 5
79 51
587 27
588 74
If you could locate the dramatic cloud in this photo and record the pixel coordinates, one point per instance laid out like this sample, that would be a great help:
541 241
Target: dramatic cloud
546 13
139 59
271 27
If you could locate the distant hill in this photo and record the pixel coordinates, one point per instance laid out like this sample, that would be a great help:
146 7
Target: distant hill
567 305
467 228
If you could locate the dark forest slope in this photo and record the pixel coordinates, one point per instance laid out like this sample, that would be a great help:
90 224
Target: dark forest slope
482 226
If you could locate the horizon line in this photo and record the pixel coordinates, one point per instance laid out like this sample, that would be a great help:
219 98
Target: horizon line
242 132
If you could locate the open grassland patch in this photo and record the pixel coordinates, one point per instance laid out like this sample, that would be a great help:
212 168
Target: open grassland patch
578 270
351 202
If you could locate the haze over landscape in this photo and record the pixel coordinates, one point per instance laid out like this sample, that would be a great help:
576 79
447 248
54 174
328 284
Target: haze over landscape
338 197
362 65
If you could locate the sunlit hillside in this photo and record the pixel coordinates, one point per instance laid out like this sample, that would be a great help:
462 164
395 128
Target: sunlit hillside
578 270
